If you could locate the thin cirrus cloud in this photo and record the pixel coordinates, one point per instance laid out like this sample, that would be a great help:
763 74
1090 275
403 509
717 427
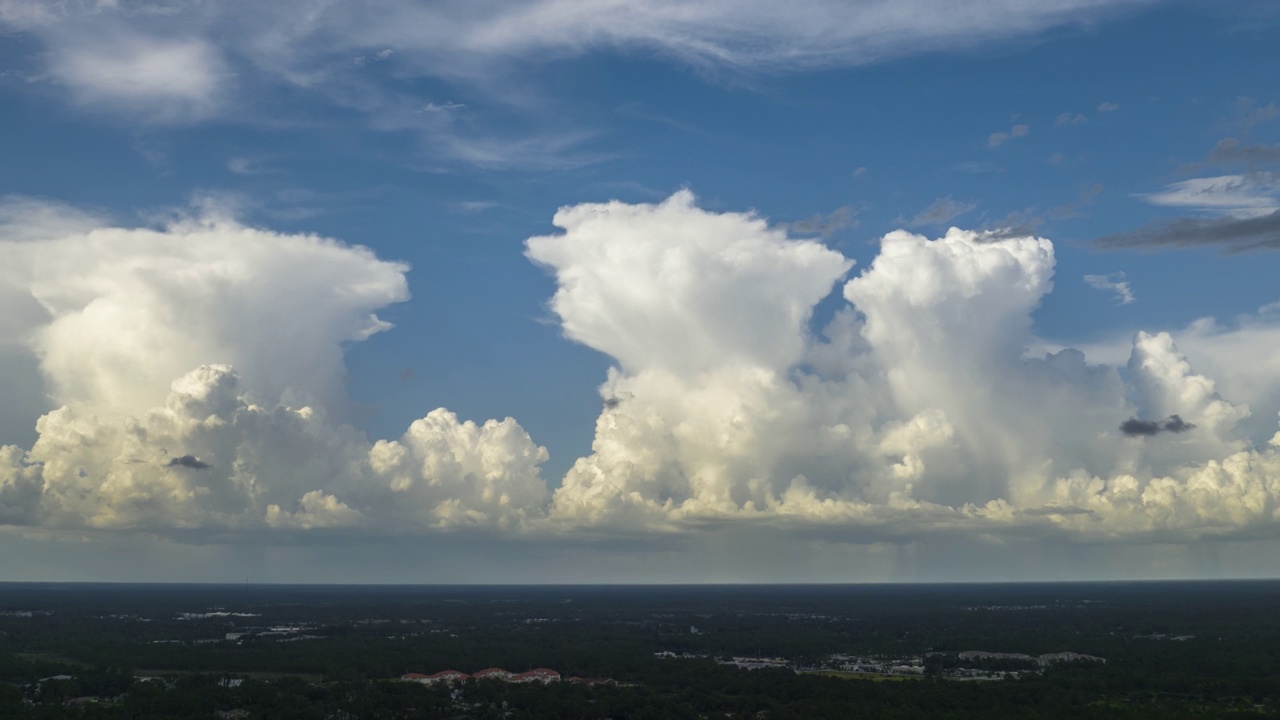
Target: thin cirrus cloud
117 52
185 62
1238 213
1240 195
914 411
164 79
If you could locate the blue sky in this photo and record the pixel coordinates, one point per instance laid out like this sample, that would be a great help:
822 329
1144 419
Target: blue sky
444 136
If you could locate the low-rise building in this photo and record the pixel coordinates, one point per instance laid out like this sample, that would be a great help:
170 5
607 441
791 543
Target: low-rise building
1050 658
444 676
542 675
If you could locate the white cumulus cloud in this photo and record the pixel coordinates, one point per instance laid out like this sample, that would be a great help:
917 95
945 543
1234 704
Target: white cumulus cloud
673 285
211 460
918 411
115 314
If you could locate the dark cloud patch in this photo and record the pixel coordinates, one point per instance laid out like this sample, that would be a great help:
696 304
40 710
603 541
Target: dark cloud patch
1230 234
1230 150
1028 221
1133 427
613 401
1019 223
1177 424
825 225
1248 114
943 210
188 461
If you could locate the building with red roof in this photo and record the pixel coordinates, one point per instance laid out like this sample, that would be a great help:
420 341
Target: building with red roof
444 676
542 675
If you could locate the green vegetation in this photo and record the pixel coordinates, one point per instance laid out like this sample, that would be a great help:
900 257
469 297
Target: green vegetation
1172 650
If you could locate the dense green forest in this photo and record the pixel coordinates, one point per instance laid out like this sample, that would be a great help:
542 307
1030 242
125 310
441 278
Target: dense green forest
1153 650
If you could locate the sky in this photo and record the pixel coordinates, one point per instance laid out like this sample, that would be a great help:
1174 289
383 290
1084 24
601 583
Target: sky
645 291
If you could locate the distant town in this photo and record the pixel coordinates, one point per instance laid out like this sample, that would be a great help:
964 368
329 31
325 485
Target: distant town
967 665
227 653
536 675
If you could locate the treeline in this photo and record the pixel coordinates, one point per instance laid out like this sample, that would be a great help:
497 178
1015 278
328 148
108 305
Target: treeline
368 636
704 691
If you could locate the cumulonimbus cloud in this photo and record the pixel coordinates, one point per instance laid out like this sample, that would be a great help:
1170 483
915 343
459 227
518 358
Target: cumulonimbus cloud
914 411
110 311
